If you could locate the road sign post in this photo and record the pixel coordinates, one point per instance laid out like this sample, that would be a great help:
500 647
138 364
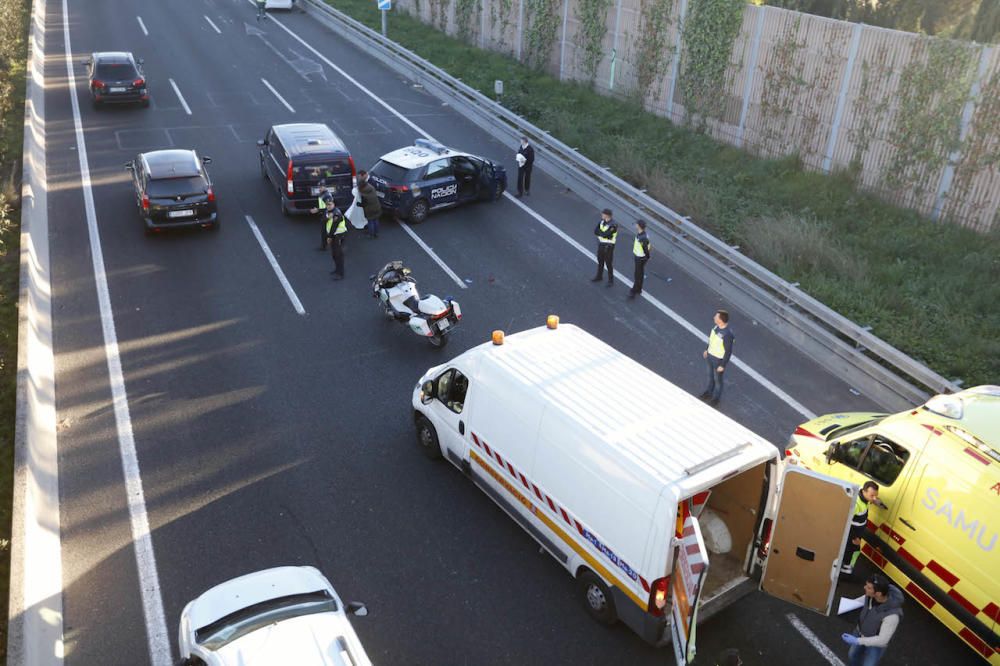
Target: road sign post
384 7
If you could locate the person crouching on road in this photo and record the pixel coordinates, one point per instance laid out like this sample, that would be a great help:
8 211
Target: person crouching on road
607 233
323 203
859 525
369 203
336 233
880 616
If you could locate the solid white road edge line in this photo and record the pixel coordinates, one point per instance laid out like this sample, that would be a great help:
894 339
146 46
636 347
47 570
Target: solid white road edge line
432 254
280 98
214 27
145 559
142 25
296 303
659 305
763 381
35 630
180 96
819 645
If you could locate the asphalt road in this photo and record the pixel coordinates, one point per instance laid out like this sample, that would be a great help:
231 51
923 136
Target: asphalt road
266 437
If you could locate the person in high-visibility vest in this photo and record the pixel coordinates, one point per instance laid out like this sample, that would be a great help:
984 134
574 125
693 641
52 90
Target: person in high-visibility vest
323 202
859 524
336 231
720 348
607 233
640 252
261 9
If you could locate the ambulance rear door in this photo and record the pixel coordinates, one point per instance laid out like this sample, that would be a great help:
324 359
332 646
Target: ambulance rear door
811 522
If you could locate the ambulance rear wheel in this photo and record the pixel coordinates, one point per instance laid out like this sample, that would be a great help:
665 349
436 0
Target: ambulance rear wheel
418 211
428 439
597 598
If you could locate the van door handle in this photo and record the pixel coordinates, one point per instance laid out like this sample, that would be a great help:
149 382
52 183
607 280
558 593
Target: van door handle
907 523
461 427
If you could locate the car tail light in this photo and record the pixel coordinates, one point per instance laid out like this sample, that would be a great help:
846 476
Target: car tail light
97 84
145 203
139 83
288 176
658 593
399 188
211 194
765 542
350 160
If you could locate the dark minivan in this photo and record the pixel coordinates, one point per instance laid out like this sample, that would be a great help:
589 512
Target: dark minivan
303 159
173 190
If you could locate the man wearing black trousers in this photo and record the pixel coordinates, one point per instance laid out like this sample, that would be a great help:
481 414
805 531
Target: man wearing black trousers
640 252
607 233
525 161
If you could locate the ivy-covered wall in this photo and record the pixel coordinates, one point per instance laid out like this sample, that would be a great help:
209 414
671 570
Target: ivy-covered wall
773 82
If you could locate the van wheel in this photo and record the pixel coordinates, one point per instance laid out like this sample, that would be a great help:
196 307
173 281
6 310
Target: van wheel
428 439
597 598
263 171
418 211
498 191
284 207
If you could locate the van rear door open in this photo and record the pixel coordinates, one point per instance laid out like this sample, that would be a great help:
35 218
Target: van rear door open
811 523
687 582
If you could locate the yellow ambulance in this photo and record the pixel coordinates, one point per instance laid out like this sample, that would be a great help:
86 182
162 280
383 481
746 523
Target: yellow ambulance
938 470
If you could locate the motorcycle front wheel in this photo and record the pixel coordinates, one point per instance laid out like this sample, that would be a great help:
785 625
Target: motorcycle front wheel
438 341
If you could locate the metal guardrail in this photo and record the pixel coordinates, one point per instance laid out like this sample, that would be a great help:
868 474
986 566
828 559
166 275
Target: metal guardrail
843 347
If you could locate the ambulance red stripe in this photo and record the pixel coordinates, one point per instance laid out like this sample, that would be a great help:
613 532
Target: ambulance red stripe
948 577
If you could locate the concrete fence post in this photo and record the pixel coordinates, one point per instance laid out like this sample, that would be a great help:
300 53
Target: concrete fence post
970 106
482 24
675 66
562 44
520 27
845 85
614 45
751 72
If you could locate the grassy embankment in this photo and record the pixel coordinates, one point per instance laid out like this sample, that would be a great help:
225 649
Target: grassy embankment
13 57
932 290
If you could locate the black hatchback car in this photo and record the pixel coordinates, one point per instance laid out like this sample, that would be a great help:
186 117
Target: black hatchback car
173 190
302 160
117 77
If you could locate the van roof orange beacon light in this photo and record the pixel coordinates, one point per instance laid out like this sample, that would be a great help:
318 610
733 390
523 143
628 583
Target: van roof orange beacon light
498 337
552 321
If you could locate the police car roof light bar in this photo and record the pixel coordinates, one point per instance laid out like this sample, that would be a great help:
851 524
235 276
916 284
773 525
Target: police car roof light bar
430 145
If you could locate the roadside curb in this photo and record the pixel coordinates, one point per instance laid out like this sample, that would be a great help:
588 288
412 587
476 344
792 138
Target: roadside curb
35 621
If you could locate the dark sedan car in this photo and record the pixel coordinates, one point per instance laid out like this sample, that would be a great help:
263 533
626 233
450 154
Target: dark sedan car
173 190
116 77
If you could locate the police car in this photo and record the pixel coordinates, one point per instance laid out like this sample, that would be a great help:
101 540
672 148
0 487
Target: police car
413 181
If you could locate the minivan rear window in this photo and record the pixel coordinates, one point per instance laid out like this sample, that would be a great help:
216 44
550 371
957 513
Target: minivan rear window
391 172
321 169
116 71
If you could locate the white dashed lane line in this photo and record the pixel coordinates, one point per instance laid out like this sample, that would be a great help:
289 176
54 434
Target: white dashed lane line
814 640
142 25
276 94
177 90
214 27
296 303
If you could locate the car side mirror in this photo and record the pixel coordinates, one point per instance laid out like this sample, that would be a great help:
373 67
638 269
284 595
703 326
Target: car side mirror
830 451
129 166
427 392
141 61
357 608
261 143
206 160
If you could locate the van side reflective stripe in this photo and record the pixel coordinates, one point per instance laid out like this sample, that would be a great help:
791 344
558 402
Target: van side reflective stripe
558 531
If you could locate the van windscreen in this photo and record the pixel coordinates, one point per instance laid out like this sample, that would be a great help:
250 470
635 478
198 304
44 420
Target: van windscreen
320 170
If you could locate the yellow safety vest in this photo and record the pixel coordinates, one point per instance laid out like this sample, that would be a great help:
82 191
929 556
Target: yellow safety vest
637 248
341 227
604 227
715 346
860 517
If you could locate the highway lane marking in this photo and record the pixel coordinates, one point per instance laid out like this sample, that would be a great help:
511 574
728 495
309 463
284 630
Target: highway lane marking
180 96
814 640
145 558
280 98
142 25
432 254
701 335
296 303
214 27
659 305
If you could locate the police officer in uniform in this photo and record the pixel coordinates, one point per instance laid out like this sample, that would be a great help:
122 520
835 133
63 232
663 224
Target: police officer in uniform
324 202
859 523
720 348
607 233
640 252
336 232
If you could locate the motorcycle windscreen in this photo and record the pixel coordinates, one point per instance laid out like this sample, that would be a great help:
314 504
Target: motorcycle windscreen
686 583
808 537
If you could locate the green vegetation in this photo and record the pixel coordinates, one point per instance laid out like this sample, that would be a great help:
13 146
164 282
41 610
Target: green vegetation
929 289
13 61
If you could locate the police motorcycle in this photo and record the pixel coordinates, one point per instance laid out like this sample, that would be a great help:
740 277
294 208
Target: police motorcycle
429 316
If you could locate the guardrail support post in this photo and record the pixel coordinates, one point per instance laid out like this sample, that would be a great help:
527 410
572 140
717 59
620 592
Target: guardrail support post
562 45
970 106
842 98
751 72
675 66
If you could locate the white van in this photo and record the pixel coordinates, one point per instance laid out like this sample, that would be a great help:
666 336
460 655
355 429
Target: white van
658 504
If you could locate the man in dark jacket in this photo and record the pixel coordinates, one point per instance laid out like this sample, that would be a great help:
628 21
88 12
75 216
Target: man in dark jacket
369 203
525 161
720 348
607 233
640 252
880 616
